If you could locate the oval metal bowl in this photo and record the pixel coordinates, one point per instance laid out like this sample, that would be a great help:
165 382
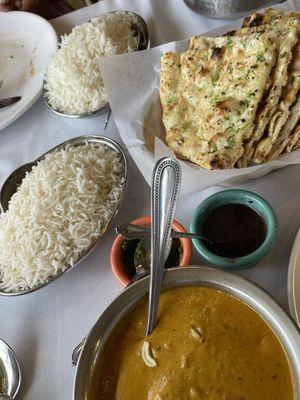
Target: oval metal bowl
9 370
142 32
228 9
13 181
244 290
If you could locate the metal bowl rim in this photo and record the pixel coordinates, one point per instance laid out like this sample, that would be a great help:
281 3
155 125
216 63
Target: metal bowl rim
231 15
17 367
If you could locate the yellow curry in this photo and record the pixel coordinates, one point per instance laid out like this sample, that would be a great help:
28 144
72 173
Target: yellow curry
207 345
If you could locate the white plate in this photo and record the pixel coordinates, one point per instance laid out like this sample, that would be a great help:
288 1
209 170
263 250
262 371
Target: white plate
27 43
294 280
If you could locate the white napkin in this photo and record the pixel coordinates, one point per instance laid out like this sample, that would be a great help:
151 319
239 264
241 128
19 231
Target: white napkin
132 83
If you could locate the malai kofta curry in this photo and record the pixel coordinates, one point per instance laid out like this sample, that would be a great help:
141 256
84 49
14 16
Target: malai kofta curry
207 345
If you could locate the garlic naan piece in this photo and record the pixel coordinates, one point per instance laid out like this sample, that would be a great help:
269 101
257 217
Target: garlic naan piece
287 36
284 137
210 95
271 141
294 140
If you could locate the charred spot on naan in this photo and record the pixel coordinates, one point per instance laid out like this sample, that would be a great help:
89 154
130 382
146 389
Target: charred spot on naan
269 17
218 53
256 21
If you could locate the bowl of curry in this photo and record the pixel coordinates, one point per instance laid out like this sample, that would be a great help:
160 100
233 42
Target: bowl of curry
218 336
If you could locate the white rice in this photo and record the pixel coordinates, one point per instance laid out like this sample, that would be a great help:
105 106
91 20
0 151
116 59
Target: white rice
59 209
73 80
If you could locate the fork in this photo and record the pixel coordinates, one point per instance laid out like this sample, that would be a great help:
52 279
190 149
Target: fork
9 101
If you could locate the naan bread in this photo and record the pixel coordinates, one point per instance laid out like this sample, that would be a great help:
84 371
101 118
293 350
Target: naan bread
269 17
287 37
284 137
278 19
274 129
294 140
210 95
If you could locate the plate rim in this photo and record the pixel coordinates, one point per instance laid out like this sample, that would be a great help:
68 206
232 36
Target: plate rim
291 286
20 15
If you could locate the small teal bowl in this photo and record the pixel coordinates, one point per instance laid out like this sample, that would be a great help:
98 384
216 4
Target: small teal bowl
235 196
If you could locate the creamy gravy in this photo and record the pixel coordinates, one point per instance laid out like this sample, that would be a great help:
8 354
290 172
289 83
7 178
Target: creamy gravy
207 345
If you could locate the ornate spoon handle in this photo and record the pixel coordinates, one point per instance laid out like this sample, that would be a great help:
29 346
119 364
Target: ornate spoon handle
164 193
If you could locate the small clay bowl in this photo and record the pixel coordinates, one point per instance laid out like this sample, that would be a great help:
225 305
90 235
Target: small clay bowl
118 267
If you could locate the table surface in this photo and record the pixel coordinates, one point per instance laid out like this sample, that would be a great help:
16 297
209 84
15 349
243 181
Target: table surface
44 327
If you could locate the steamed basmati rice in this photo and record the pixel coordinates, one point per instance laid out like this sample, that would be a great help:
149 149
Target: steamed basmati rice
73 81
57 212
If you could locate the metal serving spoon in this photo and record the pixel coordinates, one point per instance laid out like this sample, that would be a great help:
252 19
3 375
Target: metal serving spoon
142 259
164 193
130 232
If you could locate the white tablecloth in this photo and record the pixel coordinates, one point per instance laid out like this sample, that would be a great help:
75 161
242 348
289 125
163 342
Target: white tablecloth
44 327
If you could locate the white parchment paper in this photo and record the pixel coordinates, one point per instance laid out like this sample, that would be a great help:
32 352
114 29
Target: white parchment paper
132 83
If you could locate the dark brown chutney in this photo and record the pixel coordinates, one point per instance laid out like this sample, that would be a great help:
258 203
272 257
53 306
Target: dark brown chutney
129 247
235 230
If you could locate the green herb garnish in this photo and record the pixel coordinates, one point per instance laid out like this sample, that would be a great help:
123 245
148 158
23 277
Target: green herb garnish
261 57
186 125
230 141
215 77
250 94
215 99
229 68
171 100
245 102
214 148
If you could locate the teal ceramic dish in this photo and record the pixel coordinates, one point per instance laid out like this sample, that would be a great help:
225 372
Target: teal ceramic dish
235 196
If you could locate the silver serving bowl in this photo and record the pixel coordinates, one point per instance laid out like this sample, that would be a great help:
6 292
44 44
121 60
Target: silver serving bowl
90 356
227 9
143 43
9 371
15 178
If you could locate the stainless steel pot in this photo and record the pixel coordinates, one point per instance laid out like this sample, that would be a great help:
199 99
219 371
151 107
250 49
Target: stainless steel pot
228 9
237 286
